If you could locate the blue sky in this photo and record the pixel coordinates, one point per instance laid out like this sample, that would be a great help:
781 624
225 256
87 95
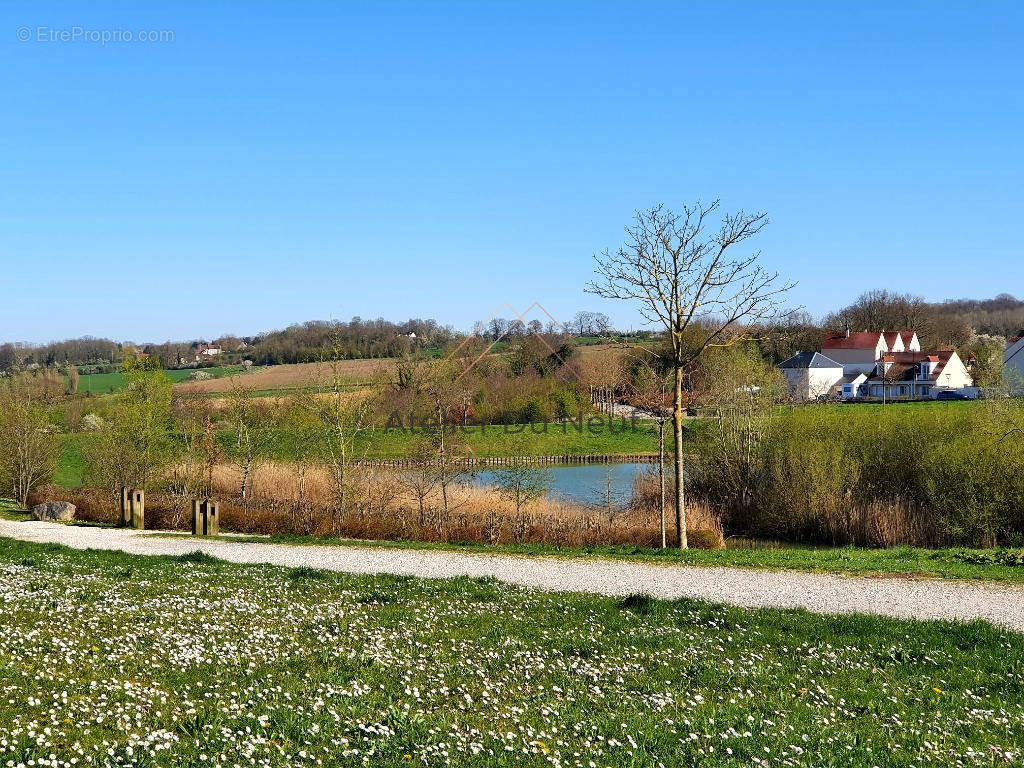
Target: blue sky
274 164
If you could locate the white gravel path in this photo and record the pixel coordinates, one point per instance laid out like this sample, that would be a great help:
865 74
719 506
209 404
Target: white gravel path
822 593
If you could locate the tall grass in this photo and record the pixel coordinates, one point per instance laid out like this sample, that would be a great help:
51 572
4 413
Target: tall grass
879 477
299 499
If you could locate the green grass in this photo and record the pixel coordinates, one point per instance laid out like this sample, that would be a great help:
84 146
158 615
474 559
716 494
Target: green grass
394 444
997 564
118 660
104 383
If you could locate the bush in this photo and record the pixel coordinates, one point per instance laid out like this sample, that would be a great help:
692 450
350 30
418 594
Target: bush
876 476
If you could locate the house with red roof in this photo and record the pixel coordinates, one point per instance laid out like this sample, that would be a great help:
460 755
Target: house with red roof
891 365
918 375
860 352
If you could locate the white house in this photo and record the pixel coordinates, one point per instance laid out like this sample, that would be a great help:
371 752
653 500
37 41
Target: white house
853 385
1013 365
918 375
860 352
856 352
811 375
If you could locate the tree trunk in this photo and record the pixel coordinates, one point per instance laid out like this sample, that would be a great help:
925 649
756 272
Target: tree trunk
677 424
661 478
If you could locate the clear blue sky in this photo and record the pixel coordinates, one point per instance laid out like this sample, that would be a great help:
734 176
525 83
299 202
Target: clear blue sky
275 164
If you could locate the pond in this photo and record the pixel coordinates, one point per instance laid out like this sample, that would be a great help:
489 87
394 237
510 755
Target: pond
583 483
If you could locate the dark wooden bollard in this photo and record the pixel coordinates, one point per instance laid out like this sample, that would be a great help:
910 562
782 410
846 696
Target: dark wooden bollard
205 517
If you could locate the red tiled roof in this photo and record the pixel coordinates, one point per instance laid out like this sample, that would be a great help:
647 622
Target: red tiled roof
890 338
863 340
908 337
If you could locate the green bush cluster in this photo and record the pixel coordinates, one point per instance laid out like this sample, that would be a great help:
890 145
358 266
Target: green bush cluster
927 475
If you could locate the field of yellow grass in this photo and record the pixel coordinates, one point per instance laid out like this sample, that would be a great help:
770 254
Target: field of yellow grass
296 376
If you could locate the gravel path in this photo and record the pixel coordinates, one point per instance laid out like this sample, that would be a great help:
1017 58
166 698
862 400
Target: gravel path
821 593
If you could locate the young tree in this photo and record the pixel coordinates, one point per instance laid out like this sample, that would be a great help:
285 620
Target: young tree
684 276
72 380
252 428
334 416
521 483
135 444
28 448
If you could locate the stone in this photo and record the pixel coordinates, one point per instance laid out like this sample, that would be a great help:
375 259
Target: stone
54 510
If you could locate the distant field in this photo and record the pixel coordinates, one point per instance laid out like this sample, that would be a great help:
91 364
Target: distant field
276 379
102 383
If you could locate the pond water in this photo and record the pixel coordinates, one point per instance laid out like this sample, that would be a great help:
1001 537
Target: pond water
583 483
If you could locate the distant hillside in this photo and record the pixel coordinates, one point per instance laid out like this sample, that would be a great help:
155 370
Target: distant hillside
1001 316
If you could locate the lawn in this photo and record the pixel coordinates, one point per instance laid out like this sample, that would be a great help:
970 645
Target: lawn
104 383
114 660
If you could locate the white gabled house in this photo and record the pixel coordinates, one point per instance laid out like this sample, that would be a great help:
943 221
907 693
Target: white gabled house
811 375
856 352
883 365
918 375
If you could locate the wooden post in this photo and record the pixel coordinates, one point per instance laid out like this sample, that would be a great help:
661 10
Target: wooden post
212 518
137 508
197 517
126 515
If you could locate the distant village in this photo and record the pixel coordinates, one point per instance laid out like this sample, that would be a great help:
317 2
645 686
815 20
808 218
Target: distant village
889 365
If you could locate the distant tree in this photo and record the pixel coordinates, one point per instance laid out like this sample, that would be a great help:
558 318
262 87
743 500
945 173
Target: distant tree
8 356
685 278
28 447
987 352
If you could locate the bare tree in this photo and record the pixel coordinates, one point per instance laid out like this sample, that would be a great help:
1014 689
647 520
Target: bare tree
251 422
522 484
685 278
338 416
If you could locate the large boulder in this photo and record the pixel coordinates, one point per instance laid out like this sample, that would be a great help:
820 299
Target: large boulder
54 510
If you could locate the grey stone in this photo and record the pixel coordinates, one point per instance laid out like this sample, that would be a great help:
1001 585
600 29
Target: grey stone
54 510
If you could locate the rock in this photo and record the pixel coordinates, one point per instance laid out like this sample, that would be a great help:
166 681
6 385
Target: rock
54 510
92 422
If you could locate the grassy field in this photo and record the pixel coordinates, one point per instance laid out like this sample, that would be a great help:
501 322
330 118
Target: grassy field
494 440
104 383
393 444
277 379
115 660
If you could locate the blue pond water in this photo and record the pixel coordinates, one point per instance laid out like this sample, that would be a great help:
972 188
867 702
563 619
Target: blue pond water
586 483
